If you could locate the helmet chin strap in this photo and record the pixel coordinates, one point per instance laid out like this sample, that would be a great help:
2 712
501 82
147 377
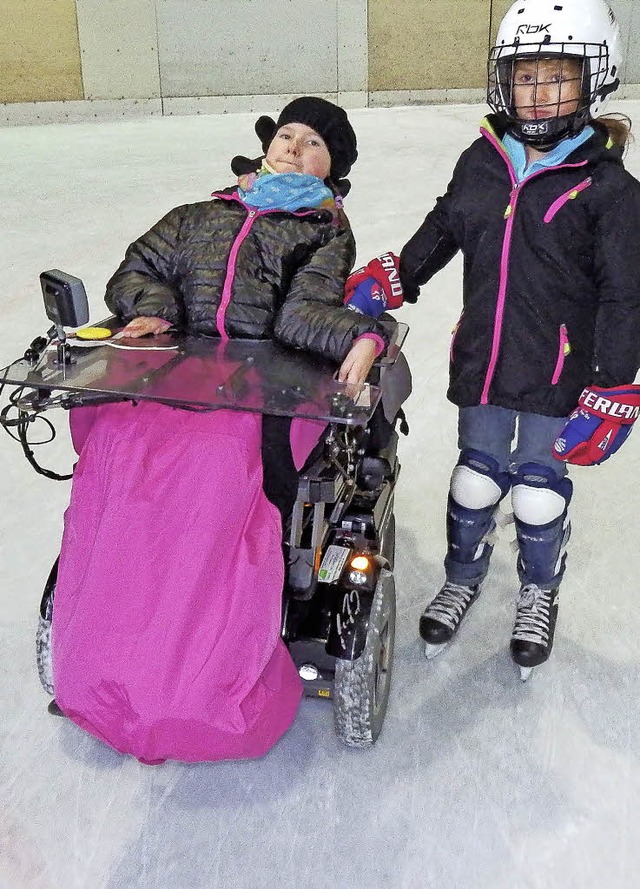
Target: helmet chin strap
544 135
545 148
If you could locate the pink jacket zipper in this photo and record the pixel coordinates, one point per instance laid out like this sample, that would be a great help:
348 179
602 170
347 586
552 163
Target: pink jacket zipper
567 196
506 249
252 215
231 272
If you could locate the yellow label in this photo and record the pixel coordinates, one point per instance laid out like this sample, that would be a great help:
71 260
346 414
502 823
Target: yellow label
324 693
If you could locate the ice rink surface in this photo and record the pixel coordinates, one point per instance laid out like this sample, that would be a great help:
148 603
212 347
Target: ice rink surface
478 781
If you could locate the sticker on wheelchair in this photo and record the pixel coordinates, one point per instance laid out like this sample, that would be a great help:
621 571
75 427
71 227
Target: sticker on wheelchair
332 564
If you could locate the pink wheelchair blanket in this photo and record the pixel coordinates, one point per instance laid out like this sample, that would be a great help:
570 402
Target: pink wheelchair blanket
166 621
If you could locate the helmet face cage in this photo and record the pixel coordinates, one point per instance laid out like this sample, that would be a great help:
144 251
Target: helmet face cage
535 30
544 115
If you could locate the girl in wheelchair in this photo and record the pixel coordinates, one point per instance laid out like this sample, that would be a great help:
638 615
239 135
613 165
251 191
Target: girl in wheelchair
166 633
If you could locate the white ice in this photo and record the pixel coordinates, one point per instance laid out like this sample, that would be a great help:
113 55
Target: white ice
478 781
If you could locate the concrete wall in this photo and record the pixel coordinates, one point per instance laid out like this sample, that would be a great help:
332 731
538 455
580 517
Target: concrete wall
112 57
39 51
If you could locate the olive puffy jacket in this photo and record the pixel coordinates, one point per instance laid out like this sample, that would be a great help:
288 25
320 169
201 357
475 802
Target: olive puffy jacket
220 267
551 297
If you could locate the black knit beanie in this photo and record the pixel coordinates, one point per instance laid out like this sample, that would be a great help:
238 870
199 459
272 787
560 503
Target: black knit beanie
327 119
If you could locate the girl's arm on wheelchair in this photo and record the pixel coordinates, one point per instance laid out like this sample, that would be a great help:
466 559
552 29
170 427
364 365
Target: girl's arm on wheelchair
359 361
313 316
143 285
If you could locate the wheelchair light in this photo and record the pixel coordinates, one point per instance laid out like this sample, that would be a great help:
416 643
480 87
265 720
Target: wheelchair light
357 577
308 672
359 568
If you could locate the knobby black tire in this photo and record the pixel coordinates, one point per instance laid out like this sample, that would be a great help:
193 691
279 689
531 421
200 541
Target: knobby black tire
43 632
361 690
43 650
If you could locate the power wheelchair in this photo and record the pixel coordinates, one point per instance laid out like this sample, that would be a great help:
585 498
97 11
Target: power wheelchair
339 601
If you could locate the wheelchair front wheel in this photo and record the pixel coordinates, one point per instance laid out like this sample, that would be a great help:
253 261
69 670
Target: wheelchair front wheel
43 632
361 689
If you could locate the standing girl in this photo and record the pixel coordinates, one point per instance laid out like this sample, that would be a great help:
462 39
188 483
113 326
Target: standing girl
548 222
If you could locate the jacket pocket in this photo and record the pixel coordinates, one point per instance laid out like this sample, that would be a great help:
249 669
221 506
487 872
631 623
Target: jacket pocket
567 196
564 349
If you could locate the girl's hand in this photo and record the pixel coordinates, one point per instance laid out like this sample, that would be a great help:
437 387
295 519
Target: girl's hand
359 361
142 326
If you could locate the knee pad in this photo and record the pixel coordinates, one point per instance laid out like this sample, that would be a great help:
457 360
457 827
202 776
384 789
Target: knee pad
477 486
538 495
477 481
540 505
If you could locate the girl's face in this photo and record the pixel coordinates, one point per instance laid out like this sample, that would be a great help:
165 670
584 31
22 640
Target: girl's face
296 148
544 88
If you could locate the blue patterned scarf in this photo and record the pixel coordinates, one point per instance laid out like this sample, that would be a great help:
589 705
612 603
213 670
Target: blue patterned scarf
286 191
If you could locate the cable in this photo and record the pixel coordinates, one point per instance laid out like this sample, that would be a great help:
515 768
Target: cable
21 423
24 441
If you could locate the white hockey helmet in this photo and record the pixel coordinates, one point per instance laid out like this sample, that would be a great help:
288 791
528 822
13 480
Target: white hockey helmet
585 30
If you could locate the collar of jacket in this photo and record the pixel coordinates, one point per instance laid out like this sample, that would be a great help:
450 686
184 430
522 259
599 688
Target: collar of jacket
231 194
596 149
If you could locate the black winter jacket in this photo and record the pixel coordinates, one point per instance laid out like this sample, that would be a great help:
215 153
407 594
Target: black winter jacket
219 266
551 294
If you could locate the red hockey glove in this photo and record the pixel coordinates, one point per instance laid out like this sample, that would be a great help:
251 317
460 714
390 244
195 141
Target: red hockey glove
378 281
599 425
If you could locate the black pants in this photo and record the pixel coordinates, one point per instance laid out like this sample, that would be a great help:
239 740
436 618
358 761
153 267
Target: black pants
280 476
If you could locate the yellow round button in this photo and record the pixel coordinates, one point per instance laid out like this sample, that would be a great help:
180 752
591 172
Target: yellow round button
93 333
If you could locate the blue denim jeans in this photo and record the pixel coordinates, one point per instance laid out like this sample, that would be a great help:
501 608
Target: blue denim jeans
492 430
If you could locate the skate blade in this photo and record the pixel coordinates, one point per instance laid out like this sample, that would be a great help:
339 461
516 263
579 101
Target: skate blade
525 672
431 651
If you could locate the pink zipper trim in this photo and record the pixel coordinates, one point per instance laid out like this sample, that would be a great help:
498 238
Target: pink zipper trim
504 261
562 351
499 147
568 196
252 215
506 249
231 272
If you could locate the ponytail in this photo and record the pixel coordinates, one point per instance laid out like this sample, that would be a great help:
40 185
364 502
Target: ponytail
618 126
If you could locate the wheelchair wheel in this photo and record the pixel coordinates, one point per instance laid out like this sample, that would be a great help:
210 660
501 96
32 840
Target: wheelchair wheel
43 632
361 690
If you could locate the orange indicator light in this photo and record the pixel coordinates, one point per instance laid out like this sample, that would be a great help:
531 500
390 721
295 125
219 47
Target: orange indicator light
360 563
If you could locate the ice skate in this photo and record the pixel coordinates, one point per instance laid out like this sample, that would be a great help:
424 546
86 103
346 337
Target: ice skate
443 615
532 637
540 506
477 487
